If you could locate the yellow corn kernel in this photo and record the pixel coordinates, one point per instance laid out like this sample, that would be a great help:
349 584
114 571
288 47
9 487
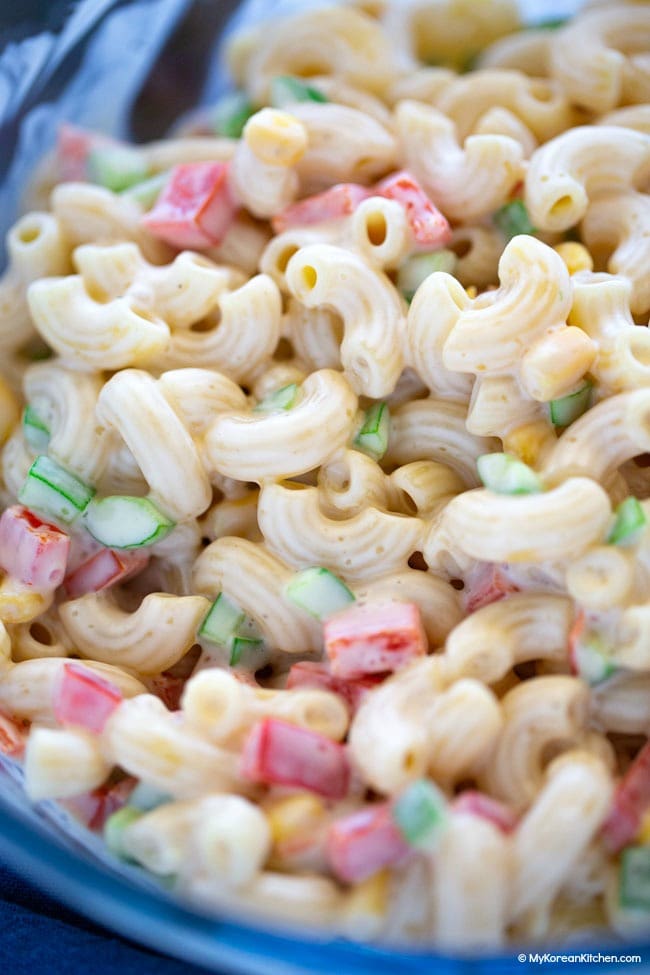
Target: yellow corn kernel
554 365
9 410
293 815
366 906
471 290
575 256
529 441
19 603
275 137
643 836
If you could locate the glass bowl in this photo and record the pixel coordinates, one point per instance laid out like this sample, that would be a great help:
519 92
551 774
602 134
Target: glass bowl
40 842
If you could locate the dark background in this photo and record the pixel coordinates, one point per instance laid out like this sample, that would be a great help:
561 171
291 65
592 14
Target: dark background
19 18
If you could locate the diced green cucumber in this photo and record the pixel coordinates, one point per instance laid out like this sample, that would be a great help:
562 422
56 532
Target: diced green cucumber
146 797
634 878
372 438
630 519
512 219
420 812
592 663
35 430
243 644
114 830
121 521
415 269
568 408
231 113
505 474
319 592
116 167
553 23
280 399
286 90
222 622
52 490
147 191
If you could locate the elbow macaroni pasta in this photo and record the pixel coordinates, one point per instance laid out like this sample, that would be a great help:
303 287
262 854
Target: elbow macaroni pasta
275 369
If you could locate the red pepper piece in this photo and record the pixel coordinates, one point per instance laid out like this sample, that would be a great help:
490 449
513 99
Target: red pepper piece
84 699
279 753
195 208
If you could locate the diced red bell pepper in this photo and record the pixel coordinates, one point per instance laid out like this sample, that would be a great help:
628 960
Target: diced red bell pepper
279 753
195 207
32 551
338 201
310 673
93 808
84 699
103 569
12 737
489 586
478 804
364 842
74 145
631 801
373 638
429 227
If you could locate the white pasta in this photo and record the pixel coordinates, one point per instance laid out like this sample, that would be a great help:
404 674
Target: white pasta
468 182
567 172
369 306
351 377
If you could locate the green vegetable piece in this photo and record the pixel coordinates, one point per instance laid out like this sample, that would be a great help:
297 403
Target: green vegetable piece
512 219
122 521
114 828
505 474
420 812
634 878
416 269
222 622
116 167
593 663
319 592
231 114
286 90
242 644
565 410
553 23
146 797
280 399
52 490
630 519
373 436
35 430
147 191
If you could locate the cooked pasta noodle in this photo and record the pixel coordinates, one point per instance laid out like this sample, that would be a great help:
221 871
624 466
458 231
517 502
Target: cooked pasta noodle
325 526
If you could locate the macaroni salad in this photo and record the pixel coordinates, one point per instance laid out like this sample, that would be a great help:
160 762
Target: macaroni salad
325 425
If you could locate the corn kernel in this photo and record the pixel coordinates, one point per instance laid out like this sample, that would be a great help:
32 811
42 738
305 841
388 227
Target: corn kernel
471 290
21 604
556 363
293 815
575 256
643 836
275 137
9 411
528 441
366 906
